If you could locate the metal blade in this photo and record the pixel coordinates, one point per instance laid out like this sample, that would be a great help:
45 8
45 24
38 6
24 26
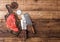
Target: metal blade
28 19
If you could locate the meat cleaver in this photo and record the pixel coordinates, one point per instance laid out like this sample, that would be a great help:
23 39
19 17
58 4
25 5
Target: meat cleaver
28 21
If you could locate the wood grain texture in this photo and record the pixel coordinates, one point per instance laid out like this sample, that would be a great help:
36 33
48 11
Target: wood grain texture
43 27
45 15
37 14
32 5
46 31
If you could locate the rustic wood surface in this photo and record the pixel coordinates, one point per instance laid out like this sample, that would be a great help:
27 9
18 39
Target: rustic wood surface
33 5
45 15
47 30
37 14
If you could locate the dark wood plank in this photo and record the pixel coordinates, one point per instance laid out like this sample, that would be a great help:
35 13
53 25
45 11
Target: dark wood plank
44 28
47 30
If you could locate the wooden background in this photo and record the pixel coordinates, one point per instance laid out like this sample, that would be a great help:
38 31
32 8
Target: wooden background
44 13
40 8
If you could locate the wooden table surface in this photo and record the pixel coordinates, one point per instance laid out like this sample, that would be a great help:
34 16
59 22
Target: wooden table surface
47 30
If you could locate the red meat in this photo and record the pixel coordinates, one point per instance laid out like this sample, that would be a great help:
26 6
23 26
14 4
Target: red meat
11 22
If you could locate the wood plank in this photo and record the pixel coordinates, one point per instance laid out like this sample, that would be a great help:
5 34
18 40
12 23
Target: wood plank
44 28
33 39
54 40
32 4
37 14
46 31
58 5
